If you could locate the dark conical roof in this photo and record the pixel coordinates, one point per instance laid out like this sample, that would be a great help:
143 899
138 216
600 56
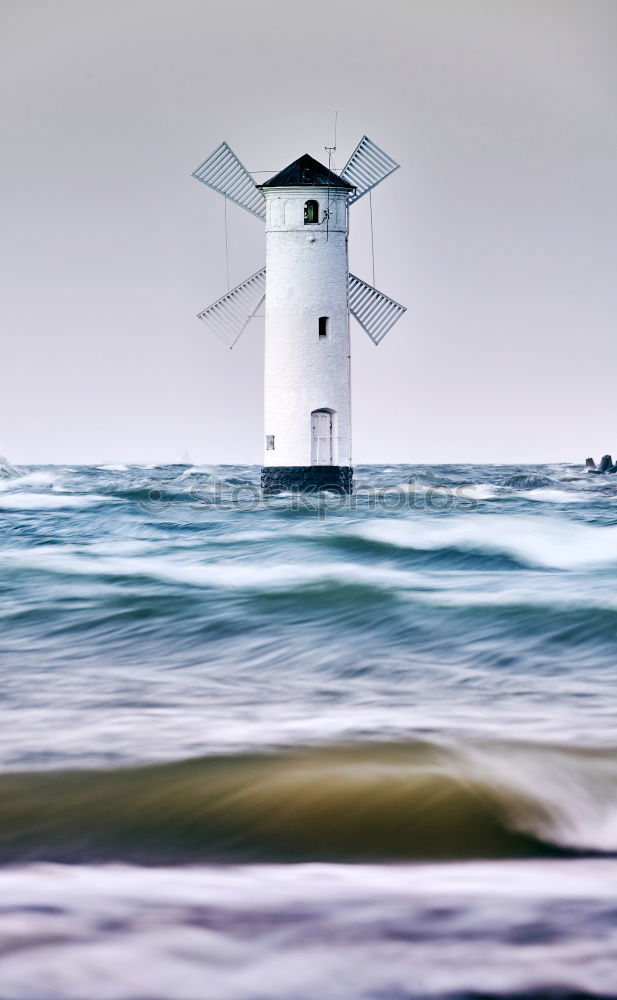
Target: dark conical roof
306 172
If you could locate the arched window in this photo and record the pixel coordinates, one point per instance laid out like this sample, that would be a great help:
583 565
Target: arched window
311 212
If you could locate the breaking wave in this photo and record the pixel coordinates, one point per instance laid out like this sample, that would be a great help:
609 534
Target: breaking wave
358 802
527 541
48 501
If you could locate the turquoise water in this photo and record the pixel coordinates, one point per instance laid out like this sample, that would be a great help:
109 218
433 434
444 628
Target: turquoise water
315 747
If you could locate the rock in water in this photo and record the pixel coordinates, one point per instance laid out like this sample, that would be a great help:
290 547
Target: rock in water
605 463
589 463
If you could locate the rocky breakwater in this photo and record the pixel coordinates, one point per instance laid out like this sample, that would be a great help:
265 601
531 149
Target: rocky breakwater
605 466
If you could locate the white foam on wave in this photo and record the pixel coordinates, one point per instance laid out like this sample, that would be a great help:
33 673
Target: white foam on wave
113 468
131 560
537 541
7 471
586 493
48 501
548 495
37 480
198 470
108 932
490 595
565 796
481 491
317 881
439 493
226 575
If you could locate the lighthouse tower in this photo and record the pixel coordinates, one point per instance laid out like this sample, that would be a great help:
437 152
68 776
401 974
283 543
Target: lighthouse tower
309 295
307 386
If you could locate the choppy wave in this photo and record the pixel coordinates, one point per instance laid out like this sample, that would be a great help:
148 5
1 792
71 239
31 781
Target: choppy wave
380 802
131 563
527 481
549 543
143 621
13 480
524 930
48 501
555 496
7 471
349 608
526 542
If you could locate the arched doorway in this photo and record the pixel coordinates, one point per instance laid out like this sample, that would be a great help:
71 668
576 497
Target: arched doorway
322 437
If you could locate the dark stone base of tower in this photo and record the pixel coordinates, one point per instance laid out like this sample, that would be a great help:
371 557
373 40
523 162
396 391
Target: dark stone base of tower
306 478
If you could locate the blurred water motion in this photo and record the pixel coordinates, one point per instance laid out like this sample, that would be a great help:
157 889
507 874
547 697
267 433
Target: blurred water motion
212 705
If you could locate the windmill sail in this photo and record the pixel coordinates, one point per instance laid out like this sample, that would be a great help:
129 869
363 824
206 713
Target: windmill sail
223 172
375 312
228 316
367 166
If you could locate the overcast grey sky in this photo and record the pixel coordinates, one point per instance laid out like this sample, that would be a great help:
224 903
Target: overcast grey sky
498 233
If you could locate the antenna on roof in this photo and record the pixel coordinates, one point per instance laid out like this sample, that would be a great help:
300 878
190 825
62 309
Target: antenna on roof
330 150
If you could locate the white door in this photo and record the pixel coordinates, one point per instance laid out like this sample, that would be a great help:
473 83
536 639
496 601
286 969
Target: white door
321 437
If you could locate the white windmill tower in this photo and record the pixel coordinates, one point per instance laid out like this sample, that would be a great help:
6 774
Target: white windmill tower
309 295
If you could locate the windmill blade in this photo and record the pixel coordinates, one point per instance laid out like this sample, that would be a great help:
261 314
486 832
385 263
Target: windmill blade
223 172
376 313
367 167
228 316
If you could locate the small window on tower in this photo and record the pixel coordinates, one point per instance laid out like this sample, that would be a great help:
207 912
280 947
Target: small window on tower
269 442
323 326
311 212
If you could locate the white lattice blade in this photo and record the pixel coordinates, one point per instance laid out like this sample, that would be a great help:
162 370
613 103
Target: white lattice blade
228 316
367 166
376 313
223 172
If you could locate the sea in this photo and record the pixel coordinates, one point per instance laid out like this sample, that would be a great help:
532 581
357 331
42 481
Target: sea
308 747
